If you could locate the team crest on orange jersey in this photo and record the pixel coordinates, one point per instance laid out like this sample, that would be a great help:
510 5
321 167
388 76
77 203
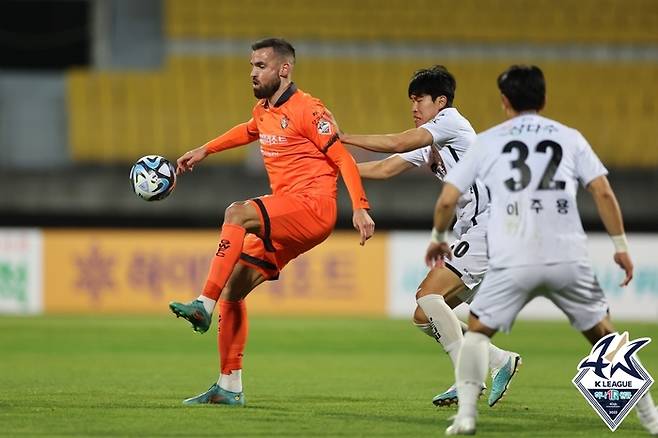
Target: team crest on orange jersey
284 122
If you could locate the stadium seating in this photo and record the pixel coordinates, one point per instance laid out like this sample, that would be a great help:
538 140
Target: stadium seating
116 116
119 116
494 21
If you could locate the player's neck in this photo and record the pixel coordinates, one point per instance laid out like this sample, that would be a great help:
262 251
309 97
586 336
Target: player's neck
285 83
512 113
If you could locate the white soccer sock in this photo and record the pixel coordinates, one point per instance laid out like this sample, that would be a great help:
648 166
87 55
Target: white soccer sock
497 357
645 404
208 303
471 372
444 323
231 382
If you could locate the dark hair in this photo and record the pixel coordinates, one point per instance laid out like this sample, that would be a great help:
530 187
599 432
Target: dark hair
435 81
524 86
280 46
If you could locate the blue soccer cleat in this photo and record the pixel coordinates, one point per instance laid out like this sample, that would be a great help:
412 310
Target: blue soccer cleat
501 378
194 312
449 397
217 396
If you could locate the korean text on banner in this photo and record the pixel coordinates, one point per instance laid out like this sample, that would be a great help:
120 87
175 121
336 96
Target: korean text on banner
104 271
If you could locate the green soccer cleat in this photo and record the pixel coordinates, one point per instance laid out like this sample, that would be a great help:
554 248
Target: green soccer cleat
449 397
501 377
217 396
194 312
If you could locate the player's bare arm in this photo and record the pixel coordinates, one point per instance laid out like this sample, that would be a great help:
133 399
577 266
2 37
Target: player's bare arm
384 169
610 213
444 211
408 140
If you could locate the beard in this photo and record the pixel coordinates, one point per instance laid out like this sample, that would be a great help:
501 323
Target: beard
265 91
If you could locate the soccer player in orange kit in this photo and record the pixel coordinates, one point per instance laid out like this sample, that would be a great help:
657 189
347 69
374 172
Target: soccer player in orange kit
303 155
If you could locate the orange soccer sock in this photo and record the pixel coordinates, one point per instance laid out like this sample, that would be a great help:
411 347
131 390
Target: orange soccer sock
232 337
228 252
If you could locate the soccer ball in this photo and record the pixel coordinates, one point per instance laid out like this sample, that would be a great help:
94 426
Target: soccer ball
153 177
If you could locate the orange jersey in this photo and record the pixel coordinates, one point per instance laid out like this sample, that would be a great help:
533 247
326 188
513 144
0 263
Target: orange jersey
300 147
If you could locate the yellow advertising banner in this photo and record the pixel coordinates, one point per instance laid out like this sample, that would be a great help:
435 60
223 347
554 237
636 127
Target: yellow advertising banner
140 271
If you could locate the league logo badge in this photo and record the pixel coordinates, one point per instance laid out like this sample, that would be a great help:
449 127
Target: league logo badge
611 378
324 127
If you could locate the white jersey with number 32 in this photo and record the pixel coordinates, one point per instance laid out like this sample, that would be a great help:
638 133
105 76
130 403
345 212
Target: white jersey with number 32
531 166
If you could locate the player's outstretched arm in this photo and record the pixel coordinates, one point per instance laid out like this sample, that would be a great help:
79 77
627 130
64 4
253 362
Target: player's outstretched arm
384 169
402 142
239 135
610 213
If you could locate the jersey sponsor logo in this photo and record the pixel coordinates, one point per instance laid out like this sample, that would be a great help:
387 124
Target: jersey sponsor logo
324 127
611 379
269 139
267 153
284 122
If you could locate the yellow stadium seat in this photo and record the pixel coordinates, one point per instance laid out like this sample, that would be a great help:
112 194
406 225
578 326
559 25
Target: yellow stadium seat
524 21
119 116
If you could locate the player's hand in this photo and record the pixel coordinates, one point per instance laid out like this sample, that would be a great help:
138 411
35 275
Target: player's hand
363 224
189 159
437 253
623 259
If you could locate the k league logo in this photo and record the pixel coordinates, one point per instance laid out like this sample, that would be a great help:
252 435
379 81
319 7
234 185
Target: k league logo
611 378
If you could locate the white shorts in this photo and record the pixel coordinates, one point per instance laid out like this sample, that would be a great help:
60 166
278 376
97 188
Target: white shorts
469 259
572 287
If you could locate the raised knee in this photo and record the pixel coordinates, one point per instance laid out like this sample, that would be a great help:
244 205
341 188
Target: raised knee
236 213
421 292
420 317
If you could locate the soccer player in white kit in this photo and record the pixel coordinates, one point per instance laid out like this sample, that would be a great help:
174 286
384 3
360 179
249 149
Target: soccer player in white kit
531 166
441 137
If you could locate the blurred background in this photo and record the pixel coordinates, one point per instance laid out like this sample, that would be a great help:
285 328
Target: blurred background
87 87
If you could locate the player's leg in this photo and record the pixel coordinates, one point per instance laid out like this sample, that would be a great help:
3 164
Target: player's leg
439 293
445 288
239 218
470 374
501 297
231 339
435 298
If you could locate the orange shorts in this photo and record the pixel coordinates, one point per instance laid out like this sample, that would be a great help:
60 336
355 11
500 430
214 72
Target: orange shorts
291 224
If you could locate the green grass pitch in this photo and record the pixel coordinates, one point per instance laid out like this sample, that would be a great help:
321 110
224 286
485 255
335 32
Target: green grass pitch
127 376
